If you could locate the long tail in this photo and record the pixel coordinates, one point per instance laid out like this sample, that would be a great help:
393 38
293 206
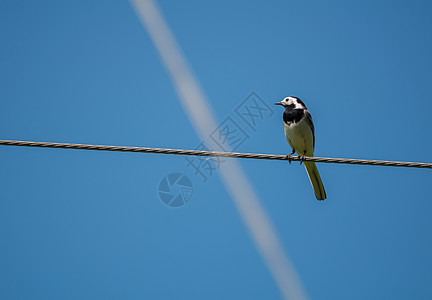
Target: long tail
315 180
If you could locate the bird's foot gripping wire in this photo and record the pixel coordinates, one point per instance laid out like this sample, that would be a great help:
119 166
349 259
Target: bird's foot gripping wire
289 156
302 158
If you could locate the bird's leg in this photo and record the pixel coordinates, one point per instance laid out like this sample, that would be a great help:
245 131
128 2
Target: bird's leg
302 157
289 156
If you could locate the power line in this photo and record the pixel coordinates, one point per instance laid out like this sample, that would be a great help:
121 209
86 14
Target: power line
216 154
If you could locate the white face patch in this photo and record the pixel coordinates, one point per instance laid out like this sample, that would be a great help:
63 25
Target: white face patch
292 101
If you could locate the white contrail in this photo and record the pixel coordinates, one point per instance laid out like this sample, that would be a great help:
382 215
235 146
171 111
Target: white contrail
199 112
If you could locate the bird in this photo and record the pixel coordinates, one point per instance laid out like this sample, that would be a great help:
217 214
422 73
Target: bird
300 135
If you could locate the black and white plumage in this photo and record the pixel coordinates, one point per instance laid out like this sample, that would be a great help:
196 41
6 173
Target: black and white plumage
300 134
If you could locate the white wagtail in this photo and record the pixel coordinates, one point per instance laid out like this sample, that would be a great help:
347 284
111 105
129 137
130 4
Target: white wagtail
300 134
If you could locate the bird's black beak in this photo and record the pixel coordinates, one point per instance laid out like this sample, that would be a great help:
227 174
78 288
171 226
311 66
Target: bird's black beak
278 103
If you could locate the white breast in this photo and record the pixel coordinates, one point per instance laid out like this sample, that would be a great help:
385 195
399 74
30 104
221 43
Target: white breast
300 137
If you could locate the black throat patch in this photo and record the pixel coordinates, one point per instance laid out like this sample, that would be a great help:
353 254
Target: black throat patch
293 115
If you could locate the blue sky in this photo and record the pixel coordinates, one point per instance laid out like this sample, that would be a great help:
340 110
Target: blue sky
89 225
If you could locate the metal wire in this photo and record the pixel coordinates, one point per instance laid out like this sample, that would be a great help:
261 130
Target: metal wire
217 154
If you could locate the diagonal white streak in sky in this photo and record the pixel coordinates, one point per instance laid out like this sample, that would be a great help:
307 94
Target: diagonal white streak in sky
198 109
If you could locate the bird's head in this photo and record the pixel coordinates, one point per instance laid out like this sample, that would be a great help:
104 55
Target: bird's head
292 102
